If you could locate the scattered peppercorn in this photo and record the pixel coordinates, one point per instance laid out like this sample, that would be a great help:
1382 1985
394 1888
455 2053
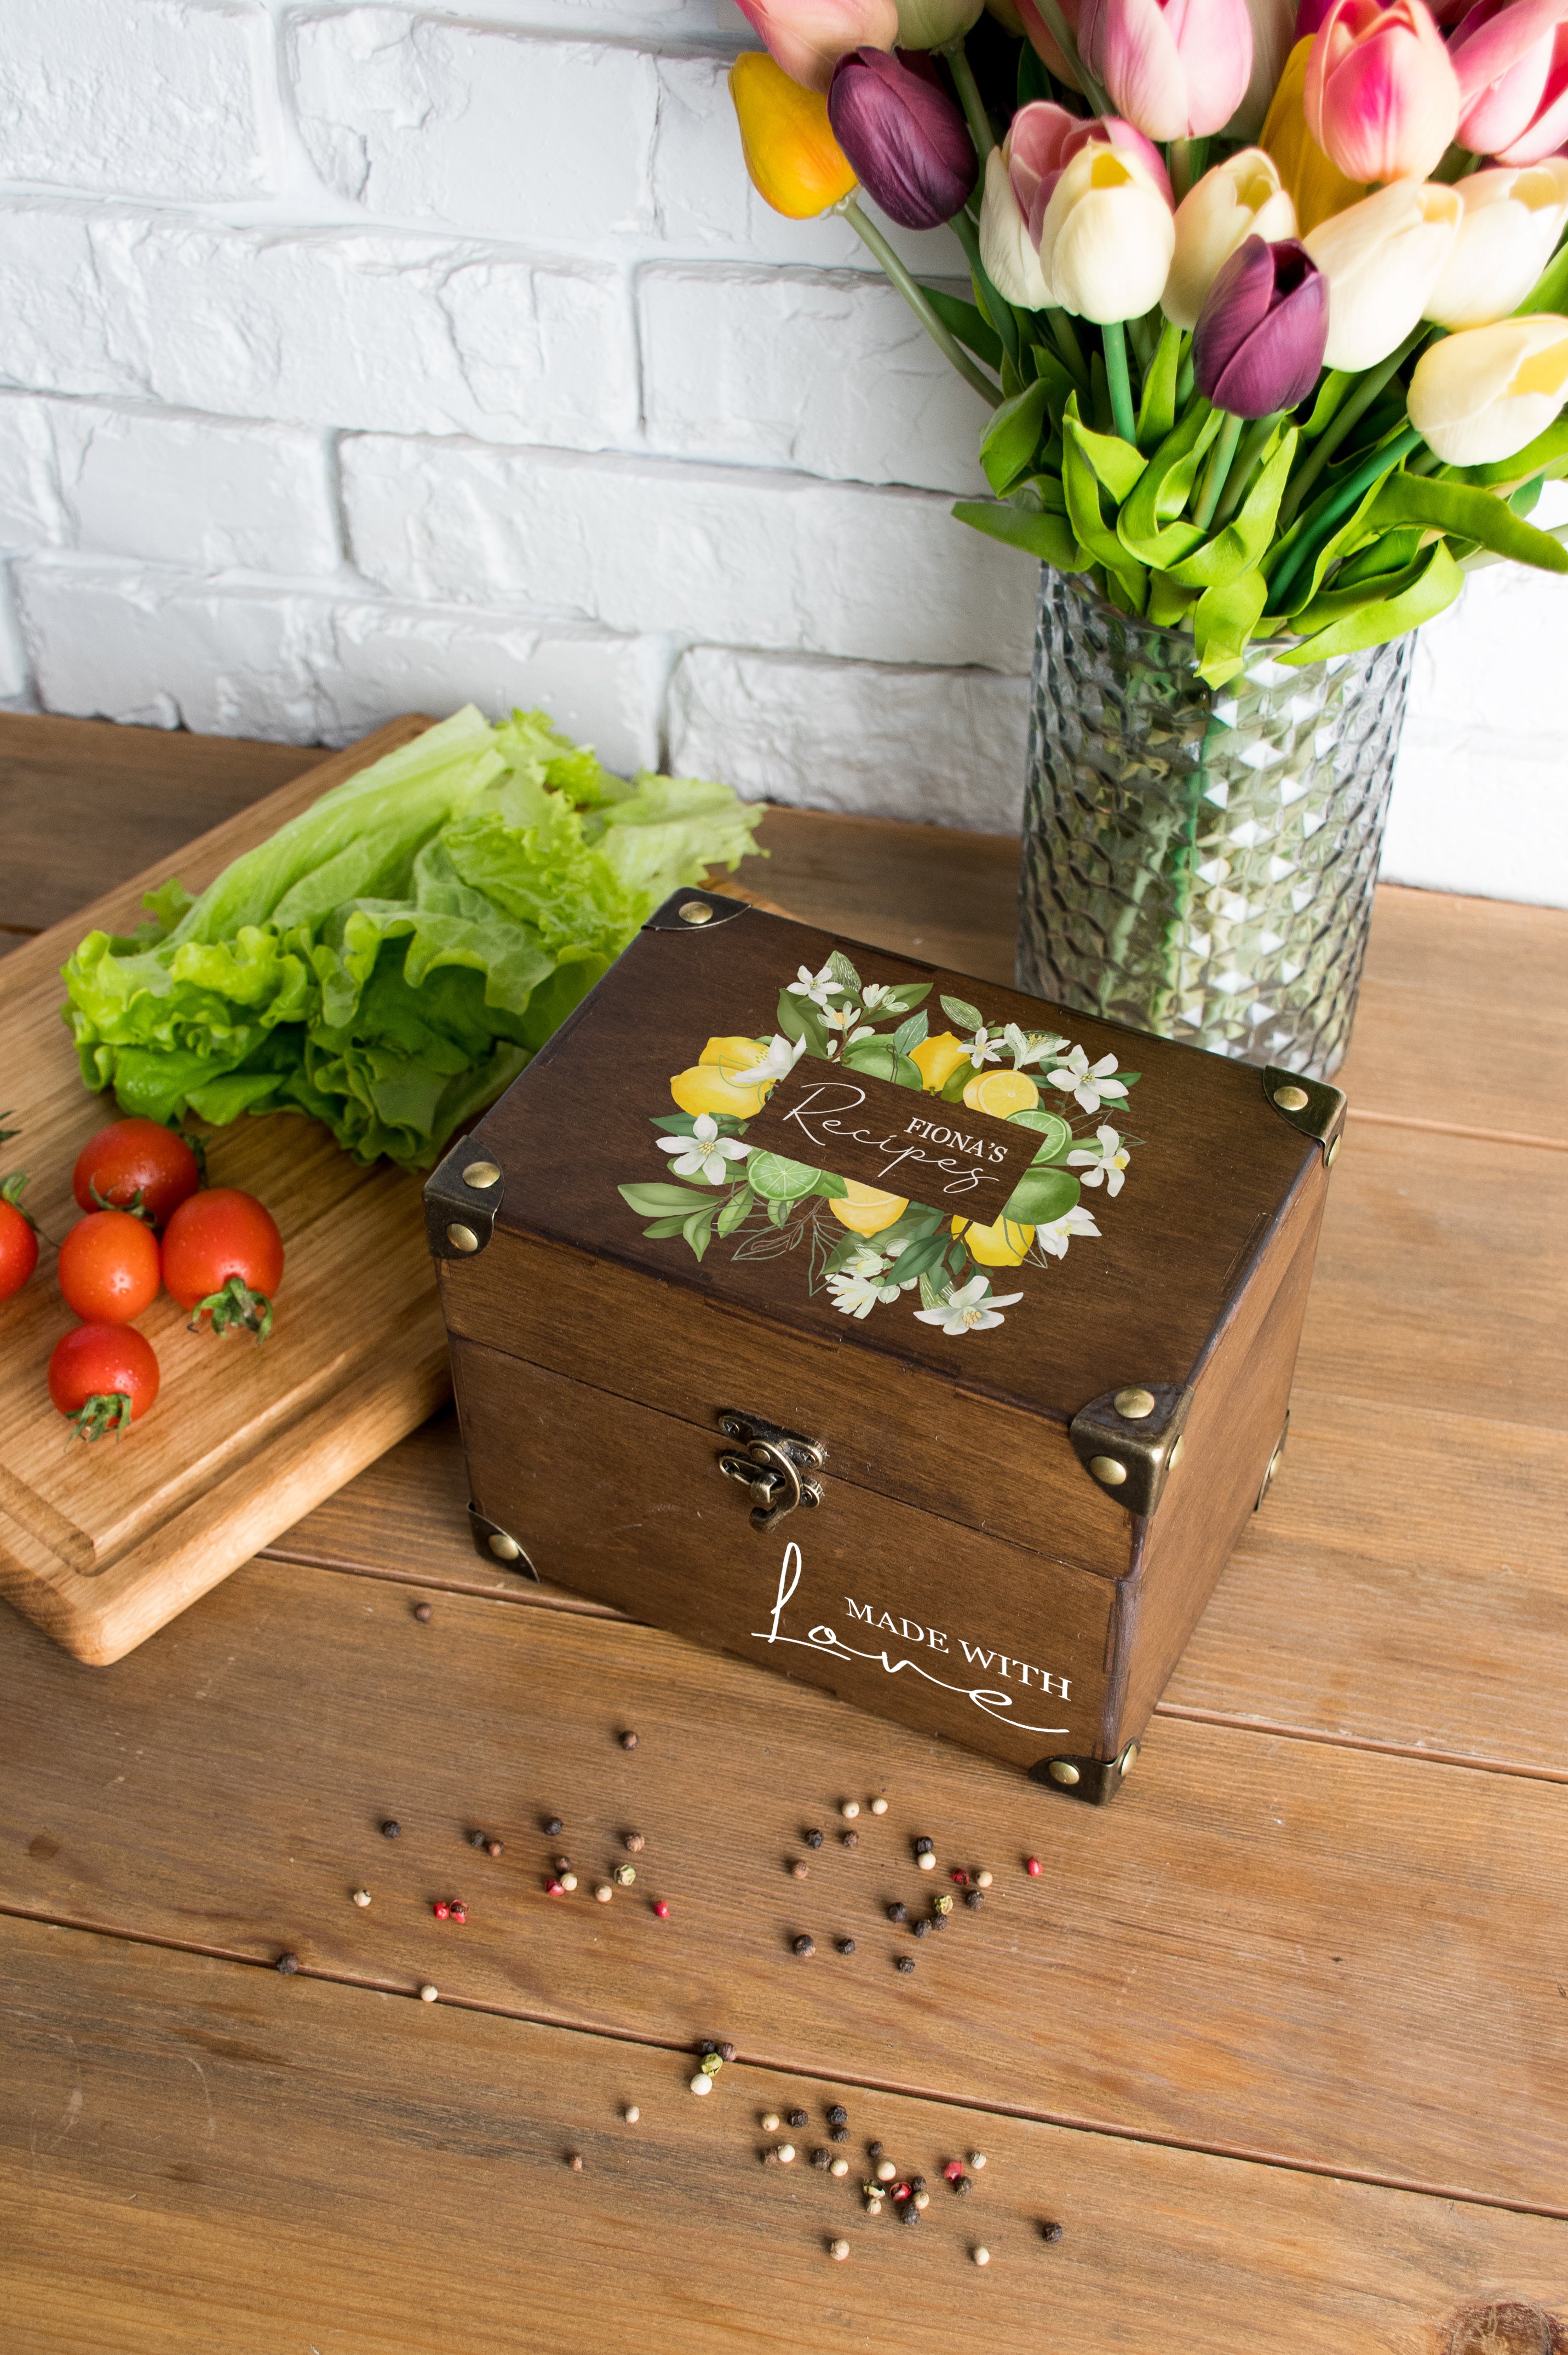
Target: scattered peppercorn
575 2163
797 2119
921 2199
712 2064
822 2157
603 1892
634 1843
631 2114
563 1864
812 1839
974 1899
909 2213
839 2249
805 1946
551 1827
905 1963
874 2149
898 1913
941 1905
927 1863
554 1888
917 2183
628 1741
885 2171
845 1946
786 2153
707 2046
569 1881
459 1912
926 1848
1032 1867
661 1909
849 1809
984 1879
475 1839
422 1613
873 2206
976 2160
701 2084
770 2158
838 2116
427 1993
879 1806
361 1897
981 2256
769 2122
963 2186
839 2167
922 1929
953 2169
389 1830
838 2134
1051 2232
623 1875
851 1839
959 1879
800 1869
726 2052
902 2192
492 1847
288 1965
441 1908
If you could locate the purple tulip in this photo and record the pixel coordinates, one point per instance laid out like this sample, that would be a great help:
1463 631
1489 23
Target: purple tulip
905 138
1258 344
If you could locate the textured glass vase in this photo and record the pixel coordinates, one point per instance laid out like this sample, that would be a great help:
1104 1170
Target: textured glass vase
1200 862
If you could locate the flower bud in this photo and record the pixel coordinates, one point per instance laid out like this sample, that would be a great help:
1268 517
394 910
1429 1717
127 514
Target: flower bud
1480 395
1107 236
927 24
1258 345
808 36
796 163
905 138
1318 187
1382 98
1383 259
1177 72
1512 65
1240 198
1509 222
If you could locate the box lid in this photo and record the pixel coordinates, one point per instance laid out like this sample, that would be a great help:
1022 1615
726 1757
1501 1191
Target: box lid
1035 1204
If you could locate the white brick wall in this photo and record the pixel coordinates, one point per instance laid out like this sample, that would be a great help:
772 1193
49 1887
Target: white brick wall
354 357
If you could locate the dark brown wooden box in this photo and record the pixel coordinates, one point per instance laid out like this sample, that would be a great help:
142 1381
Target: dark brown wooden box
1003 1533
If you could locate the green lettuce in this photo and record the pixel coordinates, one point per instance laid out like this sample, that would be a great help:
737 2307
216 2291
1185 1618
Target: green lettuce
389 960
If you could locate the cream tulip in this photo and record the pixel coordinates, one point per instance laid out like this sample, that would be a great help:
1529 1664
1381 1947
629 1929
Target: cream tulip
1005 246
1383 258
1107 237
1482 395
1510 223
1240 198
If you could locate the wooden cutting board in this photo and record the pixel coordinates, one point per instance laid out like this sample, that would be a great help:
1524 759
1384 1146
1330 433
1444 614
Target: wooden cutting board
104 1544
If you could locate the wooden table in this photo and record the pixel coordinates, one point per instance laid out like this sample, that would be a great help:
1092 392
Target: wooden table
1280 2040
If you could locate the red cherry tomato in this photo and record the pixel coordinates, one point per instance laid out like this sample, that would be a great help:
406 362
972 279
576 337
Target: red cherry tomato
135 1165
109 1268
18 1240
223 1256
103 1377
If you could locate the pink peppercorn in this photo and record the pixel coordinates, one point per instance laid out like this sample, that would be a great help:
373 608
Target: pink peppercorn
554 1889
953 2170
959 1880
441 1908
459 1912
661 1909
1032 1867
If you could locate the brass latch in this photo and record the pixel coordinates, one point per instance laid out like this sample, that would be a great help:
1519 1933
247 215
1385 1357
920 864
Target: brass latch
775 1467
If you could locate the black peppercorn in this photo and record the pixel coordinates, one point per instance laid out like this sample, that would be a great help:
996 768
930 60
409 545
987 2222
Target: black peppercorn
812 1839
797 2118
838 2116
422 1613
874 2149
475 1839
805 1946
926 1848
705 2048
908 2213
822 2157
922 1929
628 1742
1051 2232
898 1913
726 2052
974 1899
851 1839
966 2184
551 1827
845 1946
917 2183
904 1962
838 2134
288 1965
389 1830
938 1922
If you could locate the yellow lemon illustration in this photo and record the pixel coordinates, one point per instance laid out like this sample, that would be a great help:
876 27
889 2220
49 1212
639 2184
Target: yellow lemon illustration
865 1212
1001 1094
1002 1245
708 1086
937 1058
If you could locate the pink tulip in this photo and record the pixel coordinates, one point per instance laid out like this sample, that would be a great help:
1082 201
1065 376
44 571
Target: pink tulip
1176 68
1044 41
1381 99
808 37
1042 142
1512 64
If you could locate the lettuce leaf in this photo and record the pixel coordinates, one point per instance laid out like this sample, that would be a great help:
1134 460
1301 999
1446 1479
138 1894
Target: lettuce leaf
387 962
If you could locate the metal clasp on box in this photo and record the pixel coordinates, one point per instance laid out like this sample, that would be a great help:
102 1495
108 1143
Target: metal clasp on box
776 1466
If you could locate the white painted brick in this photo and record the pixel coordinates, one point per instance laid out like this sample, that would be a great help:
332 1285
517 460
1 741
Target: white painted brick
30 513
165 649
321 327
741 557
944 746
195 491
16 670
420 119
828 372
597 20
155 99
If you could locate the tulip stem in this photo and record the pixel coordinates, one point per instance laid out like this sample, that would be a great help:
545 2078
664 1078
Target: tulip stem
1068 345
1353 411
1113 339
969 98
1247 458
1317 530
1219 466
914 296
1062 35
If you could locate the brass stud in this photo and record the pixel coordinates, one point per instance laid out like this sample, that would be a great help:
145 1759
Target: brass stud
1128 1759
1135 1405
1176 1451
698 911
1332 1155
504 1547
1291 1099
1062 1771
480 1173
1106 1469
463 1238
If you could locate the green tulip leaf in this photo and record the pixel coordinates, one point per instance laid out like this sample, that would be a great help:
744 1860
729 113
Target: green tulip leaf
1550 292
1347 540
1082 483
1012 437
1547 449
1388 554
1169 602
1243 540
1054 1132
1041 1196
1330 399
1222 620
1115 463
1047 538
1156 409
1150 526
1437 584
1470 513
962 319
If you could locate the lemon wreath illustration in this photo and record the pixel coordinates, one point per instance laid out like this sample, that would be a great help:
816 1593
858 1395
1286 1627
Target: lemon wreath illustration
868 1249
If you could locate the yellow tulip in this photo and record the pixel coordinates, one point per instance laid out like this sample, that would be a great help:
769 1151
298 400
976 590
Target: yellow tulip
1318 187
937 1058
1002 1245
796 163
710 1086
865 1211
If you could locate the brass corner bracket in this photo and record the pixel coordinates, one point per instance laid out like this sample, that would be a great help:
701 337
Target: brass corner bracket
1129 1440
695 911
1313 1107
462 1196
1094 1780
496 1544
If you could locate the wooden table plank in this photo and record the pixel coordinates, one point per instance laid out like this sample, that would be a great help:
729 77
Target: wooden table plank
84 804
1267 1947
235 2160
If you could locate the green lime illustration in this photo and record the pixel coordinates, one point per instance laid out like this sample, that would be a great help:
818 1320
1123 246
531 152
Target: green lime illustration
1055 1134
1042 1195
778 1180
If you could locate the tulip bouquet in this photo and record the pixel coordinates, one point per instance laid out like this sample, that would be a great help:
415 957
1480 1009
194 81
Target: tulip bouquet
1266 299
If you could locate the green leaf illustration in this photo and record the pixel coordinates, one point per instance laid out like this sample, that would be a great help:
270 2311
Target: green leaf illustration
659 1202
959 1010
915 1258
798 1019
698 1229
831 1188
1041 1196
845 974
934 1290
735 1211
911 1034
661 1228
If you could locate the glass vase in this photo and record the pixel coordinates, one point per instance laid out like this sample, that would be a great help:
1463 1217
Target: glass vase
1201 861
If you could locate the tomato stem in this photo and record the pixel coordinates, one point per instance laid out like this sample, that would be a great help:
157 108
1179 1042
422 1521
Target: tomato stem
235 1305
106 1411
136 1207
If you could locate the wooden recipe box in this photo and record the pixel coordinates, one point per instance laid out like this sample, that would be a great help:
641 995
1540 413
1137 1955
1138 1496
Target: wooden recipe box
902 1334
